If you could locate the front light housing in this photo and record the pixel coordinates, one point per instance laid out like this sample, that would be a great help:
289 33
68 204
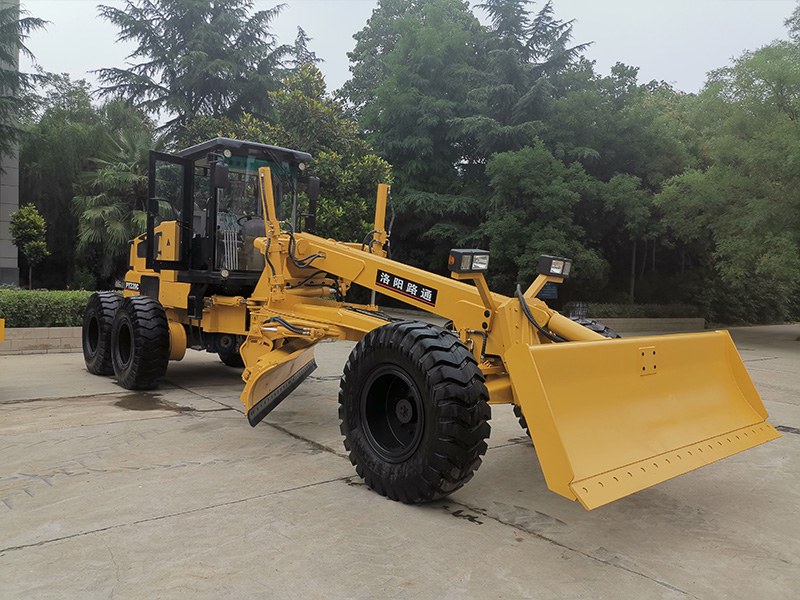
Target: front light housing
555 266
468 260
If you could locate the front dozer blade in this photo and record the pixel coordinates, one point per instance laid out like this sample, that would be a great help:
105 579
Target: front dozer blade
276 375
609 418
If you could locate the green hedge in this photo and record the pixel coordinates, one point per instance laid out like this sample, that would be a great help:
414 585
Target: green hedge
32 308
642 311
25 308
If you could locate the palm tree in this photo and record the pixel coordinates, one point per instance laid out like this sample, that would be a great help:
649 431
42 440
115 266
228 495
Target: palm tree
112 209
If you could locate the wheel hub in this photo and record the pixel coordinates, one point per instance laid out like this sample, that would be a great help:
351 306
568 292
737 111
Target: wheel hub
404 411
392 413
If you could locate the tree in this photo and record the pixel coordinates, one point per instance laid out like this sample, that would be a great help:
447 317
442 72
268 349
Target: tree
29 233
301 53
15 26
62 132
510 22
532 211
793 25
633 206
736 218
112 208
412 66
506 136
548 43
205 57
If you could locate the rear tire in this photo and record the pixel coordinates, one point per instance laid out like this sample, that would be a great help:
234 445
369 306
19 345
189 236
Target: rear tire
597 327
140 343
232 359
98 319
414 411
521 418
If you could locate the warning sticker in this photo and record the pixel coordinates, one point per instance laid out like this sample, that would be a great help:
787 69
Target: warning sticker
406 287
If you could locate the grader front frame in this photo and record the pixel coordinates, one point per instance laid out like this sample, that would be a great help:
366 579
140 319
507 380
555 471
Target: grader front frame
607 417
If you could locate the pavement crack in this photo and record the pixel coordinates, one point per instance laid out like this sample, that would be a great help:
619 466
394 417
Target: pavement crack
563 546
787 429
749 360
209 398
60 398
172 515
312 443
121 421
513 442
116 568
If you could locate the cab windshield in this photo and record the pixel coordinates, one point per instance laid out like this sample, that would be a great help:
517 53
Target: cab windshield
238 218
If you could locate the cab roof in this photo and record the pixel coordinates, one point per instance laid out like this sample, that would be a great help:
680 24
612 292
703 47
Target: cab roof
244 148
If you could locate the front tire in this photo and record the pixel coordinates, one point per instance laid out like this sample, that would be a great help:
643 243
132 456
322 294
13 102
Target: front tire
414 411
140 343
98 319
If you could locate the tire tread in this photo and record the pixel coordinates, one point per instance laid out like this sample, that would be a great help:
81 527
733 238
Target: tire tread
150 331
105 306
457 391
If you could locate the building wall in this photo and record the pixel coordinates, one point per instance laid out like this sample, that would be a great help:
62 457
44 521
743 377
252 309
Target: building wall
9 202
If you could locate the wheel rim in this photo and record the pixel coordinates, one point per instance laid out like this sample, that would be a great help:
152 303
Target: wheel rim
93 335
392 414
124 344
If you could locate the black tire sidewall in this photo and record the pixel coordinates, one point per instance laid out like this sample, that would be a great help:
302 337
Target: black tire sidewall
146 321
454 404
101 308
597 327
122 370
232 359
406 471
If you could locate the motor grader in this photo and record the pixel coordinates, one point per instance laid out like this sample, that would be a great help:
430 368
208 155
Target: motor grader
230 265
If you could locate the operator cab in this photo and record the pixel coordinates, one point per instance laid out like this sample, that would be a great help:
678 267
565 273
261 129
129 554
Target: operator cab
205 213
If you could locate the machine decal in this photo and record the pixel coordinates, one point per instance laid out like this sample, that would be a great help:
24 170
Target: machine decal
132 286
407 288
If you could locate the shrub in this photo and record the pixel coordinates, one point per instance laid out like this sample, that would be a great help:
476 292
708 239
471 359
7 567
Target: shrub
642 311
33 308
83 279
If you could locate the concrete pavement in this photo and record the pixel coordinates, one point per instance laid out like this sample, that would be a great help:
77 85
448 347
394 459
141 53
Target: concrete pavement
106 493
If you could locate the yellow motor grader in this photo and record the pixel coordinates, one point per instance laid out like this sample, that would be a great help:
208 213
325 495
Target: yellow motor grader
224 267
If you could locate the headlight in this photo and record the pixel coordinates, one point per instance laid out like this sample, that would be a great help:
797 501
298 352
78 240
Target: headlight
468 260
480 262
555 266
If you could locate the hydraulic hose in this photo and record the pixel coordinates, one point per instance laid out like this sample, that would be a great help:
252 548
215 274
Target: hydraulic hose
525 309
289 326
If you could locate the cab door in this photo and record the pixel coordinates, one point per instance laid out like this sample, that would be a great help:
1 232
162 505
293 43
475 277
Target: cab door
169 212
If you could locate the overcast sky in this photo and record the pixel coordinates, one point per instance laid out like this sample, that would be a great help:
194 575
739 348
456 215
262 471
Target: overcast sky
677 41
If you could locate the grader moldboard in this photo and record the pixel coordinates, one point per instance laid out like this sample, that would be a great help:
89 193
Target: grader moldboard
223 267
